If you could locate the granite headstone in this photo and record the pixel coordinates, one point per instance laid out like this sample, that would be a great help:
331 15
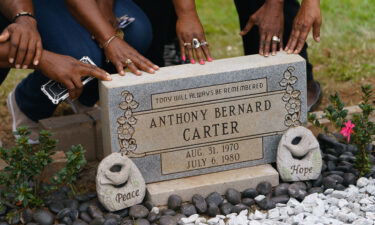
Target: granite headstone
189 120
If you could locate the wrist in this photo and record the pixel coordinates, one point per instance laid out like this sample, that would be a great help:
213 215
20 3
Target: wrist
275 1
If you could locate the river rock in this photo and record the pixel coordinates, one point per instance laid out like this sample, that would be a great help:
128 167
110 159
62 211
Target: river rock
119 183
298 156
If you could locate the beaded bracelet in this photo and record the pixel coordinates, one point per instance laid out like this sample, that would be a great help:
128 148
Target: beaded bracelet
23 14
108 41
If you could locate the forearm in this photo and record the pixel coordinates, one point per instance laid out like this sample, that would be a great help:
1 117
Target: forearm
10 8
185 8
88 14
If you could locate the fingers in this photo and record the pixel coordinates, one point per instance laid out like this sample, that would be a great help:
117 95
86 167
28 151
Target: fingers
247 28
71 89
4 36
14 42
30 54
190 53
182 49
301 41
21 51
262 42
274 47
134 69
292 42
149 64
93 71
119 67
316 31
38 54
267 45
78 87
200 55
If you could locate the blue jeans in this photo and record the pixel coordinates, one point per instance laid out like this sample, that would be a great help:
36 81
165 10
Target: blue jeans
62 34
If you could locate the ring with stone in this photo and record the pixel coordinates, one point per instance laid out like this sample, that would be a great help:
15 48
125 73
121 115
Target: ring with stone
195 43
203 43
128 61
276 39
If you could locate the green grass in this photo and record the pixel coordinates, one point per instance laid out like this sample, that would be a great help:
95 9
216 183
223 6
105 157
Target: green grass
345 53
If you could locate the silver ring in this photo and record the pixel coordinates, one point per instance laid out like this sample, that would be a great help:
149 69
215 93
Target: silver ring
276 39
128 61
195 43
187 44
203 43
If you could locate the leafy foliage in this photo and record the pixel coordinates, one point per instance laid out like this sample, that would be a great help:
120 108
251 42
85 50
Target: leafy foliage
25 164
363 131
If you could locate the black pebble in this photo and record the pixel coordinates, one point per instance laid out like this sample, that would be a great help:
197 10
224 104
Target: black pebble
94 211
233 196
331 165
266 204
167 220
329 182
315 190
174 202
239 207
153 217
79 222
138 211
85 217
349 179
43 217
264 188
142 222
215 198
281 199
213 210
168 212
248 201
199 203
249 193
281 189
318 181
56 206
226 208
188 210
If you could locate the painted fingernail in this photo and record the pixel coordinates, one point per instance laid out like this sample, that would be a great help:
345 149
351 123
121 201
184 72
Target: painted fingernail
201 62
183 58
36 62
24 67
209 59
18 66
192 61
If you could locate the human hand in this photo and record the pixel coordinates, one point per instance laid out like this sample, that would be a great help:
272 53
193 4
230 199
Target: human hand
122 55
187 29
308 16
69 72
270 20
25 42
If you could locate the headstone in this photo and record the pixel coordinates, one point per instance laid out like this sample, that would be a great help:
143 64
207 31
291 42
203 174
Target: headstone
189 120
119 183
299 157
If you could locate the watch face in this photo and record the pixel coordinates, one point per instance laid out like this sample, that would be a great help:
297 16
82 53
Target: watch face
57 92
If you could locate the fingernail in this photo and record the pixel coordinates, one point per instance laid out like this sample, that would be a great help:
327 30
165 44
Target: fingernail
156 67
290 51
11 60
318 39
122 73
151 71
109 78
273 53
108 74
36 62
192 61
209 59
286 49
183 58
18 66
24 67
201 62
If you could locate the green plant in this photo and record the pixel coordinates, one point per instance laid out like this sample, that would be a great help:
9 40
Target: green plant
358 133
75 162
21 177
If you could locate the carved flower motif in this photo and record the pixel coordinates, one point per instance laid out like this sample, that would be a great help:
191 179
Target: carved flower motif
292 120
293 106
288 79
125 131
290 93
129 102
129 145
127 118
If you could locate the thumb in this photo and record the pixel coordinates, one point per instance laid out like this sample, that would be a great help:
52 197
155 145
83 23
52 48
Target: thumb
316 31
248 27
4 36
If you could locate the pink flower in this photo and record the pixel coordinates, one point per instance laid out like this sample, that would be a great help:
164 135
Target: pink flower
347 130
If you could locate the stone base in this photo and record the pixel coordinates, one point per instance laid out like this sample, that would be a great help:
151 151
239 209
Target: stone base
240 179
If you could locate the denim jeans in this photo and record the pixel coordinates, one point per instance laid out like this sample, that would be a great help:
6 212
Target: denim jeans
62 34
245 8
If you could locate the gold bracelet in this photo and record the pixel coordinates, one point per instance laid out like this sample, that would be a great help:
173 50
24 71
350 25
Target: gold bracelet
108 41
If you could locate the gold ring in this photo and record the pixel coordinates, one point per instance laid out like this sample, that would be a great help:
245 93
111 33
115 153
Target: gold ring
187 44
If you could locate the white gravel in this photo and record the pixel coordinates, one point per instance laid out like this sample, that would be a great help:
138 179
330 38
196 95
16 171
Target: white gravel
355 205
